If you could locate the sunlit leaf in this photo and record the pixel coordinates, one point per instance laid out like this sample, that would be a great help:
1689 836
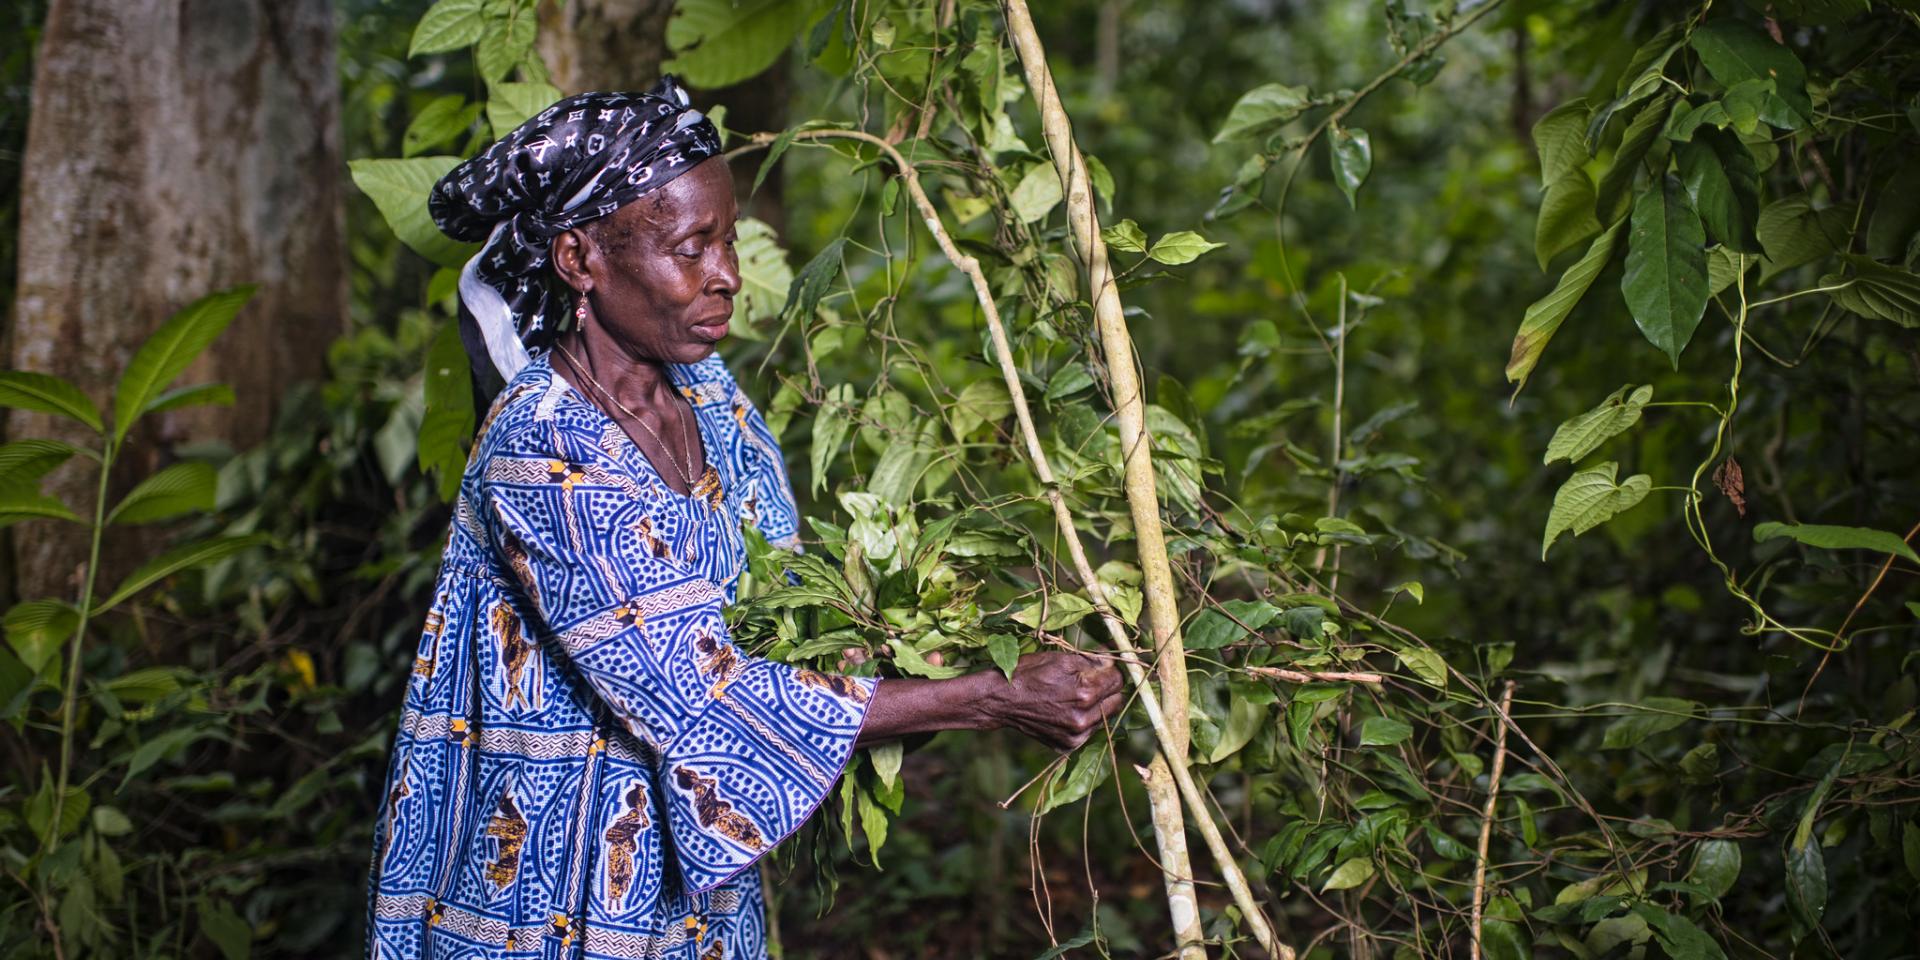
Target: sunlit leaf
1261 111
1089 770
718 43
1585 432
1837 538
1184 246
181 488
173 561
1544 317
1590 498
439 121
46 393
399 188
510 104
448 25
1352 154
1125 236
1350 874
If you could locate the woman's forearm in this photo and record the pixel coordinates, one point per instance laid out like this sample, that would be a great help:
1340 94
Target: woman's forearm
907 705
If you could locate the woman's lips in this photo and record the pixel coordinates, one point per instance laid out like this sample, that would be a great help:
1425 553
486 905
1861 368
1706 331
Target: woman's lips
713 331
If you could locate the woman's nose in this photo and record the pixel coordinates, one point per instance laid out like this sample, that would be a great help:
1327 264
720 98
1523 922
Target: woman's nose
725 279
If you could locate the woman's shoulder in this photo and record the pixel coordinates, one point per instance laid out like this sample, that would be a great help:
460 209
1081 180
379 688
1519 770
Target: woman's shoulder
535 416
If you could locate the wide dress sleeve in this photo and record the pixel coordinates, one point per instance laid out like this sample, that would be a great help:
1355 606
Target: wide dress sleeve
747 748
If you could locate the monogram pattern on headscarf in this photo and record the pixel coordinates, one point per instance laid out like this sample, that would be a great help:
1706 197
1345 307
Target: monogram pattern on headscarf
576 161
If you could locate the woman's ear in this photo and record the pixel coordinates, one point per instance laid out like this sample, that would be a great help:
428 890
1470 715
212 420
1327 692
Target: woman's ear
573 251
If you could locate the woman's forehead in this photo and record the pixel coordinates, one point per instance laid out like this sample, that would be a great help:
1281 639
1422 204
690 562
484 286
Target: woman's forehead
703 193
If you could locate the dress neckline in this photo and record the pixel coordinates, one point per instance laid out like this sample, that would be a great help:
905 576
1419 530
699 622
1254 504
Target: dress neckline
681 379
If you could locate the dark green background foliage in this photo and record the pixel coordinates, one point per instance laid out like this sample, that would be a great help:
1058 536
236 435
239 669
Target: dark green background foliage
1565 349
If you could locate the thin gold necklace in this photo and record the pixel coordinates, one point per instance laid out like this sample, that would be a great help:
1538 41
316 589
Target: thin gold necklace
685 440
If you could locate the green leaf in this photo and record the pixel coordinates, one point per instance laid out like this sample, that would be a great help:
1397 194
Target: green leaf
1125 235
46 393
1659 715
1070 379
1352 155
1425 664
40 814
1733 51
447 25
438 122
1004 648
1544 317
765 277
1560 138
1037 193
1058 610
886 761
38 629
1616 183
1666 278
983 401
1566 216
1350 874
1245 717
181 488
200 394
170 350
506 41
1716 865
175 560
1590 498
1213 629
1792 233
110 822
830 425
810 284
28 504
910 661
718 43
1384 731
24 462
219 922
1910 848
1089 770
1806 881
447 426
1584 433
1263 110
1678 936
1837 538
508 106
1504 940
1721 180
399 188
1877 291
1184 246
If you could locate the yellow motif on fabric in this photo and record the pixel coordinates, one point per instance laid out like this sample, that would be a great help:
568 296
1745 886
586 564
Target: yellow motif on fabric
622 843
833 683
436 625
510 828
717 814
515 649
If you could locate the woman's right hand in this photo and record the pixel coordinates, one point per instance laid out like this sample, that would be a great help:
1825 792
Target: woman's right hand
1057 697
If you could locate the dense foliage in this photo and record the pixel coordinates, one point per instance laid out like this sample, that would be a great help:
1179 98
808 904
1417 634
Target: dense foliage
1688 230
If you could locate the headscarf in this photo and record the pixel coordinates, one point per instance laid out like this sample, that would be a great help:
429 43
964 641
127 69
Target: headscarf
578 160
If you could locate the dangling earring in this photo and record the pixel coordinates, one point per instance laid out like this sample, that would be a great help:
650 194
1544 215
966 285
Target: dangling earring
580 311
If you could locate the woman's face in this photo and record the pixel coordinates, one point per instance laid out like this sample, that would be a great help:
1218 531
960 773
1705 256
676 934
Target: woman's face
661 272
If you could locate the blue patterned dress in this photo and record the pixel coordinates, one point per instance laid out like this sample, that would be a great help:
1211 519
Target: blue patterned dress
586 765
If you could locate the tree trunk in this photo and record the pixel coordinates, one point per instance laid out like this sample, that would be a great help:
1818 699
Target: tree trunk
176 147
622 45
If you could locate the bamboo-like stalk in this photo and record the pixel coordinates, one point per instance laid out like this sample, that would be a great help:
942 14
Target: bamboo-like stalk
1162 608
1487 817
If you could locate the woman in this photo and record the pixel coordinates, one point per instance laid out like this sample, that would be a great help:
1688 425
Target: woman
586 765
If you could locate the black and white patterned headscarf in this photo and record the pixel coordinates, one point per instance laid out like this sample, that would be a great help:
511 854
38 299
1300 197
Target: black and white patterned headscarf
576 161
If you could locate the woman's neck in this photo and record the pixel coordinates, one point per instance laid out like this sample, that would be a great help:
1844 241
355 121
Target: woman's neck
638 382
